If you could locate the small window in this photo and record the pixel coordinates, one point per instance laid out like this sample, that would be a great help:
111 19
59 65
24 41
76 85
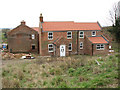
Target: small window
70 47
50 35
33 47
110 47
81 34
100 47
33 36
69 35
93 33
50 47
81 45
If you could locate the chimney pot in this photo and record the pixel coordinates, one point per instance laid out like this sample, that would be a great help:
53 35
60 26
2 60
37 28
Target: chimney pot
22 22
41 18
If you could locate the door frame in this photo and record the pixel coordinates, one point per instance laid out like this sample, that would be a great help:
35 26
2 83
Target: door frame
64 50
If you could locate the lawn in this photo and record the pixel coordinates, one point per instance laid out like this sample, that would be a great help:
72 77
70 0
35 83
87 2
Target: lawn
77 71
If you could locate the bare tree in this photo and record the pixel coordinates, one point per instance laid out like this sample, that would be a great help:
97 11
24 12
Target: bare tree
115 13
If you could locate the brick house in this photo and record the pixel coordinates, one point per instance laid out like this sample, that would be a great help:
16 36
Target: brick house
23 39
68 37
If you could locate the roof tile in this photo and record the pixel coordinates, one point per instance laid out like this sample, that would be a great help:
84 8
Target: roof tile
97 40
65 26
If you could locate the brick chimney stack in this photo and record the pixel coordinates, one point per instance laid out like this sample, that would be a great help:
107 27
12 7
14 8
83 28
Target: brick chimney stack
41 18
22 22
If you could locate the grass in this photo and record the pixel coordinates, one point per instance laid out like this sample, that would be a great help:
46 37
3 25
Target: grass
68 72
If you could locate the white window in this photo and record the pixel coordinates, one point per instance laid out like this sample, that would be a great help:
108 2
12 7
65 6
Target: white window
100 47
33 36
69 35
50 35
70 47
81 34
93 33
81 45
50 47
110 47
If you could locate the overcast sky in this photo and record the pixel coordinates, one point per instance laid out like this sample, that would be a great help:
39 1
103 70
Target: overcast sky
14 11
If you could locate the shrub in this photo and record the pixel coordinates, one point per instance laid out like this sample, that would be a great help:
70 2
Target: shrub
71 71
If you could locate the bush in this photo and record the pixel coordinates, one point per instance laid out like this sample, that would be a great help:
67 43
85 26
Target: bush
71 71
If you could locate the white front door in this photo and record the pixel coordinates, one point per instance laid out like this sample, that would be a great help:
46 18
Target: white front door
62 50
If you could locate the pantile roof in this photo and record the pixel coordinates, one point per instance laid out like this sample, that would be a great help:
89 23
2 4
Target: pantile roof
35 28
97 40
70 25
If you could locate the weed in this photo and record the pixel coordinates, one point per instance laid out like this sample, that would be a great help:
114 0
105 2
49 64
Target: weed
20 75
6 83
44 74
57 80
43 66
52 71
45 83
71 71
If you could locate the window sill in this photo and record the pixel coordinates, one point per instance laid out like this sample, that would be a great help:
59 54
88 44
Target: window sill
81 37
100 49
69 38
50 39
50 51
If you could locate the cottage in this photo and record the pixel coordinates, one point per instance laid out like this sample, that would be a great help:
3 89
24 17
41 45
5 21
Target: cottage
61 38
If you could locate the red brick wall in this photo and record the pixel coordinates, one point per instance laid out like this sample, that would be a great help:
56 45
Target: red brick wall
19 39
101 52
87 46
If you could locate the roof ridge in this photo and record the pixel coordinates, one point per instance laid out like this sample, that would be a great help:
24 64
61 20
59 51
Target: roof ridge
58 21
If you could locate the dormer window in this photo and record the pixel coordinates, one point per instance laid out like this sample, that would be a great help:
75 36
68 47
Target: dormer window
50 35
33 36
69 35
93 33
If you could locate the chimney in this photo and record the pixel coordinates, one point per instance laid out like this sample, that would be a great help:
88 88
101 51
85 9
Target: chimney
41 18
22 22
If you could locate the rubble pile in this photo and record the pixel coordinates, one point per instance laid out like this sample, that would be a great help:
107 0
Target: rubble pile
10 56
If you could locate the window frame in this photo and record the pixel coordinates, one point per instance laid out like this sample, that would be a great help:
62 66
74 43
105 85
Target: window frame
100 45
81 34
33 36
50 35
50 47
33 45
92 33
70 46
69 35
80 45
